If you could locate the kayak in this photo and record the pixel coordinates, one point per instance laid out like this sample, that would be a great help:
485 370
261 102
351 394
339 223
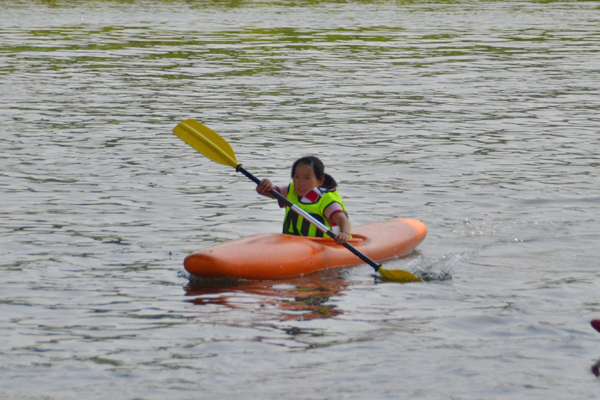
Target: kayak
272 256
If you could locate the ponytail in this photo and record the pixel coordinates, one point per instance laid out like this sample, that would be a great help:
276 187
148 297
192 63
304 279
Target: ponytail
329 182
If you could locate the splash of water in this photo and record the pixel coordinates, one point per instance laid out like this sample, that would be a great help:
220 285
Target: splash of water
436 270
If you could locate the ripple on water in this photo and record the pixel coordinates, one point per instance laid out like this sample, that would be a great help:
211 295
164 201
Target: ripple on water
476 118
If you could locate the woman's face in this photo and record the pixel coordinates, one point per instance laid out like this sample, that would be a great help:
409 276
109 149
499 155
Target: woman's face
305 180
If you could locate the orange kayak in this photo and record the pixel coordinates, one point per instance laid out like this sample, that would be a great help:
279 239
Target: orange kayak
271 256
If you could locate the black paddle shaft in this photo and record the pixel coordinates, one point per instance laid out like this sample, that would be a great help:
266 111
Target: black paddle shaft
285 201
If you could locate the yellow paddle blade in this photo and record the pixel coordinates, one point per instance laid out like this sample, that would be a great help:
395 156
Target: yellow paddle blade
398 275
206 141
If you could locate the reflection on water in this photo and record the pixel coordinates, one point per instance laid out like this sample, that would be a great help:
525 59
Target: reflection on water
300 298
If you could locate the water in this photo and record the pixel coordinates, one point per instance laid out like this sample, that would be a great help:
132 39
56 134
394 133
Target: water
478 118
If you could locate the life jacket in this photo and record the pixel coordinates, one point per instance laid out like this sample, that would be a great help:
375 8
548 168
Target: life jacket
295 224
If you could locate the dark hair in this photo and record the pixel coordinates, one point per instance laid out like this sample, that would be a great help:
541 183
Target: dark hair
318 168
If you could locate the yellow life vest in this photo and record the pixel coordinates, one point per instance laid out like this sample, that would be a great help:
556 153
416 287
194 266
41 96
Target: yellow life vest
295 224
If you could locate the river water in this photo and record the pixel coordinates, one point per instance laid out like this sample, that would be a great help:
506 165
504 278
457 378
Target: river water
478 118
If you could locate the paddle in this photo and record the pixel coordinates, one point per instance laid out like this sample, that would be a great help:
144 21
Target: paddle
209 143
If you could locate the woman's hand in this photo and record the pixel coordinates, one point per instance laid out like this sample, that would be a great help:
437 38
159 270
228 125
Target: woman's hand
264 187
342 238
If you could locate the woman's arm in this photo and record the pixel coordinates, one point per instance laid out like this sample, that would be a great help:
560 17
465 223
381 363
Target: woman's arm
340 219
